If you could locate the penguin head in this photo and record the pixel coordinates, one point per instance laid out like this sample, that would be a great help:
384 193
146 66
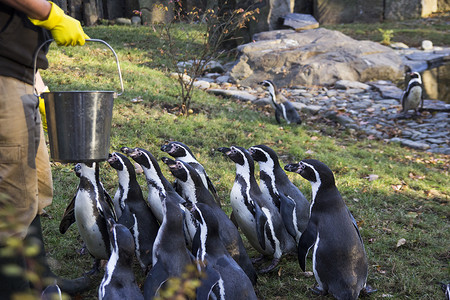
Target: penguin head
142 157
237 154
314 171
77 170
269 86
115 160
177 149
177 168
262 154
120 237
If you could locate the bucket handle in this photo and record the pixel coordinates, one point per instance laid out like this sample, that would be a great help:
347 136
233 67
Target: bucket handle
88 40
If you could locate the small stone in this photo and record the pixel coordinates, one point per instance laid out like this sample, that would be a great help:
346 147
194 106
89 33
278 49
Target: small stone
427 45
201 84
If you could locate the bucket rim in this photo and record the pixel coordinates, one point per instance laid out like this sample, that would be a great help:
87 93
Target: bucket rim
78 92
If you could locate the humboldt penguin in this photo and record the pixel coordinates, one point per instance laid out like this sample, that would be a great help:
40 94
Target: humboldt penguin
182 152
158 185
210 250
90 208
159 188
196 192
257 217
170 254
118 282
339 257
275 184
412 96
282 106
136 214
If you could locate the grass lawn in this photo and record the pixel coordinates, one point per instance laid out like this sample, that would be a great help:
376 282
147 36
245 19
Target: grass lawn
409 200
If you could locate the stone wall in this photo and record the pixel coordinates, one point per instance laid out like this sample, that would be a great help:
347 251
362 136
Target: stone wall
325 11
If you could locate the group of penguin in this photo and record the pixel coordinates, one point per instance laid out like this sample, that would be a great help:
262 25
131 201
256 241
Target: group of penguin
411 99
181 224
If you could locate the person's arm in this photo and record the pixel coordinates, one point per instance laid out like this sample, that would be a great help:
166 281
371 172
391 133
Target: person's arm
35 9
46 14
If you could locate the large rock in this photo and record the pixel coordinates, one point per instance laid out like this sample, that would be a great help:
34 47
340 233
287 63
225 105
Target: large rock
314 57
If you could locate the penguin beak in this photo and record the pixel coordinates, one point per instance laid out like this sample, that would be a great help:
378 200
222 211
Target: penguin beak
168 161
126 150
112 158
296 168
251 150
165 148
224 150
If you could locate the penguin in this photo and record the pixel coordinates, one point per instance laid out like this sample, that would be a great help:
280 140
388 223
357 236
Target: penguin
135 211
339 258
158 185
196 192
257 217
282 106
118 282
159 188
275 184
170 254
90 208
412 96
182 152
210 250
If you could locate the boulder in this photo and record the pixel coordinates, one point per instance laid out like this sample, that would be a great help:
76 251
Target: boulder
314 57
300 21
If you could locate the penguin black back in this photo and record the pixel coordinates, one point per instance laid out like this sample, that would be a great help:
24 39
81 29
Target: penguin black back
339 258
137 215
118 281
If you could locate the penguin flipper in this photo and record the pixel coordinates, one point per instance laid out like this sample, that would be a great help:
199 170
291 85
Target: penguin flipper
210 279
261 220
287 207
68 217
355 225
213 190
277 114
156 277
111 211
127 218
307 240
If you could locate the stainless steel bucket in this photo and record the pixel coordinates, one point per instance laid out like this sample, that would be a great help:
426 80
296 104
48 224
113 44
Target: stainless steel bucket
79 122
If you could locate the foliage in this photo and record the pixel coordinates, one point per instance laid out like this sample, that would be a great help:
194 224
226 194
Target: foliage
409 200
212 28
386 36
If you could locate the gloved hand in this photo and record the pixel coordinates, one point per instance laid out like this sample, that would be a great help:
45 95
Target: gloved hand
64 29
42 110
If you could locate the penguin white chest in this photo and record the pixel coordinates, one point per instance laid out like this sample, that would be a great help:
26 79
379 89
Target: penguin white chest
86 219
414 97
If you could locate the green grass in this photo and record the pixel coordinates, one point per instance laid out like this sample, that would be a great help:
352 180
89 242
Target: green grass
409 199
410 32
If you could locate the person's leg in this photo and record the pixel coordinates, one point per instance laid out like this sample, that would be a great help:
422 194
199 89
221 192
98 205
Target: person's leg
19 136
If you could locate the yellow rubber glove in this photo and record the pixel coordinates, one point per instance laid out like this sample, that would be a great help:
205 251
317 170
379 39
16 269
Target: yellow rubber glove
42 110
65 29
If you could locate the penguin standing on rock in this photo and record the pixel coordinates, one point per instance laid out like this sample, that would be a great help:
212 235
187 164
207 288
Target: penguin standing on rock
196 192
182 152
257 217
118 281
339 257
282 106
412 97
90 208
136 214
275 184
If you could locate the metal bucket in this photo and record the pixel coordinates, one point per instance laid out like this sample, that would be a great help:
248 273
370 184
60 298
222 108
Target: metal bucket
79 122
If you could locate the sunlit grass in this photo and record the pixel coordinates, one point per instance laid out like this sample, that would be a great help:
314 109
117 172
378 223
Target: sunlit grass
409 199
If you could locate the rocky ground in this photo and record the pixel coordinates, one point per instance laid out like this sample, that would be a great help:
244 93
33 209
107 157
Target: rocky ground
370 109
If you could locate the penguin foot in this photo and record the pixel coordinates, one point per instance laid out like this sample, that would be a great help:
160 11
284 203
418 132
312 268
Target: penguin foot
274 263
367 290
258 260
317 290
